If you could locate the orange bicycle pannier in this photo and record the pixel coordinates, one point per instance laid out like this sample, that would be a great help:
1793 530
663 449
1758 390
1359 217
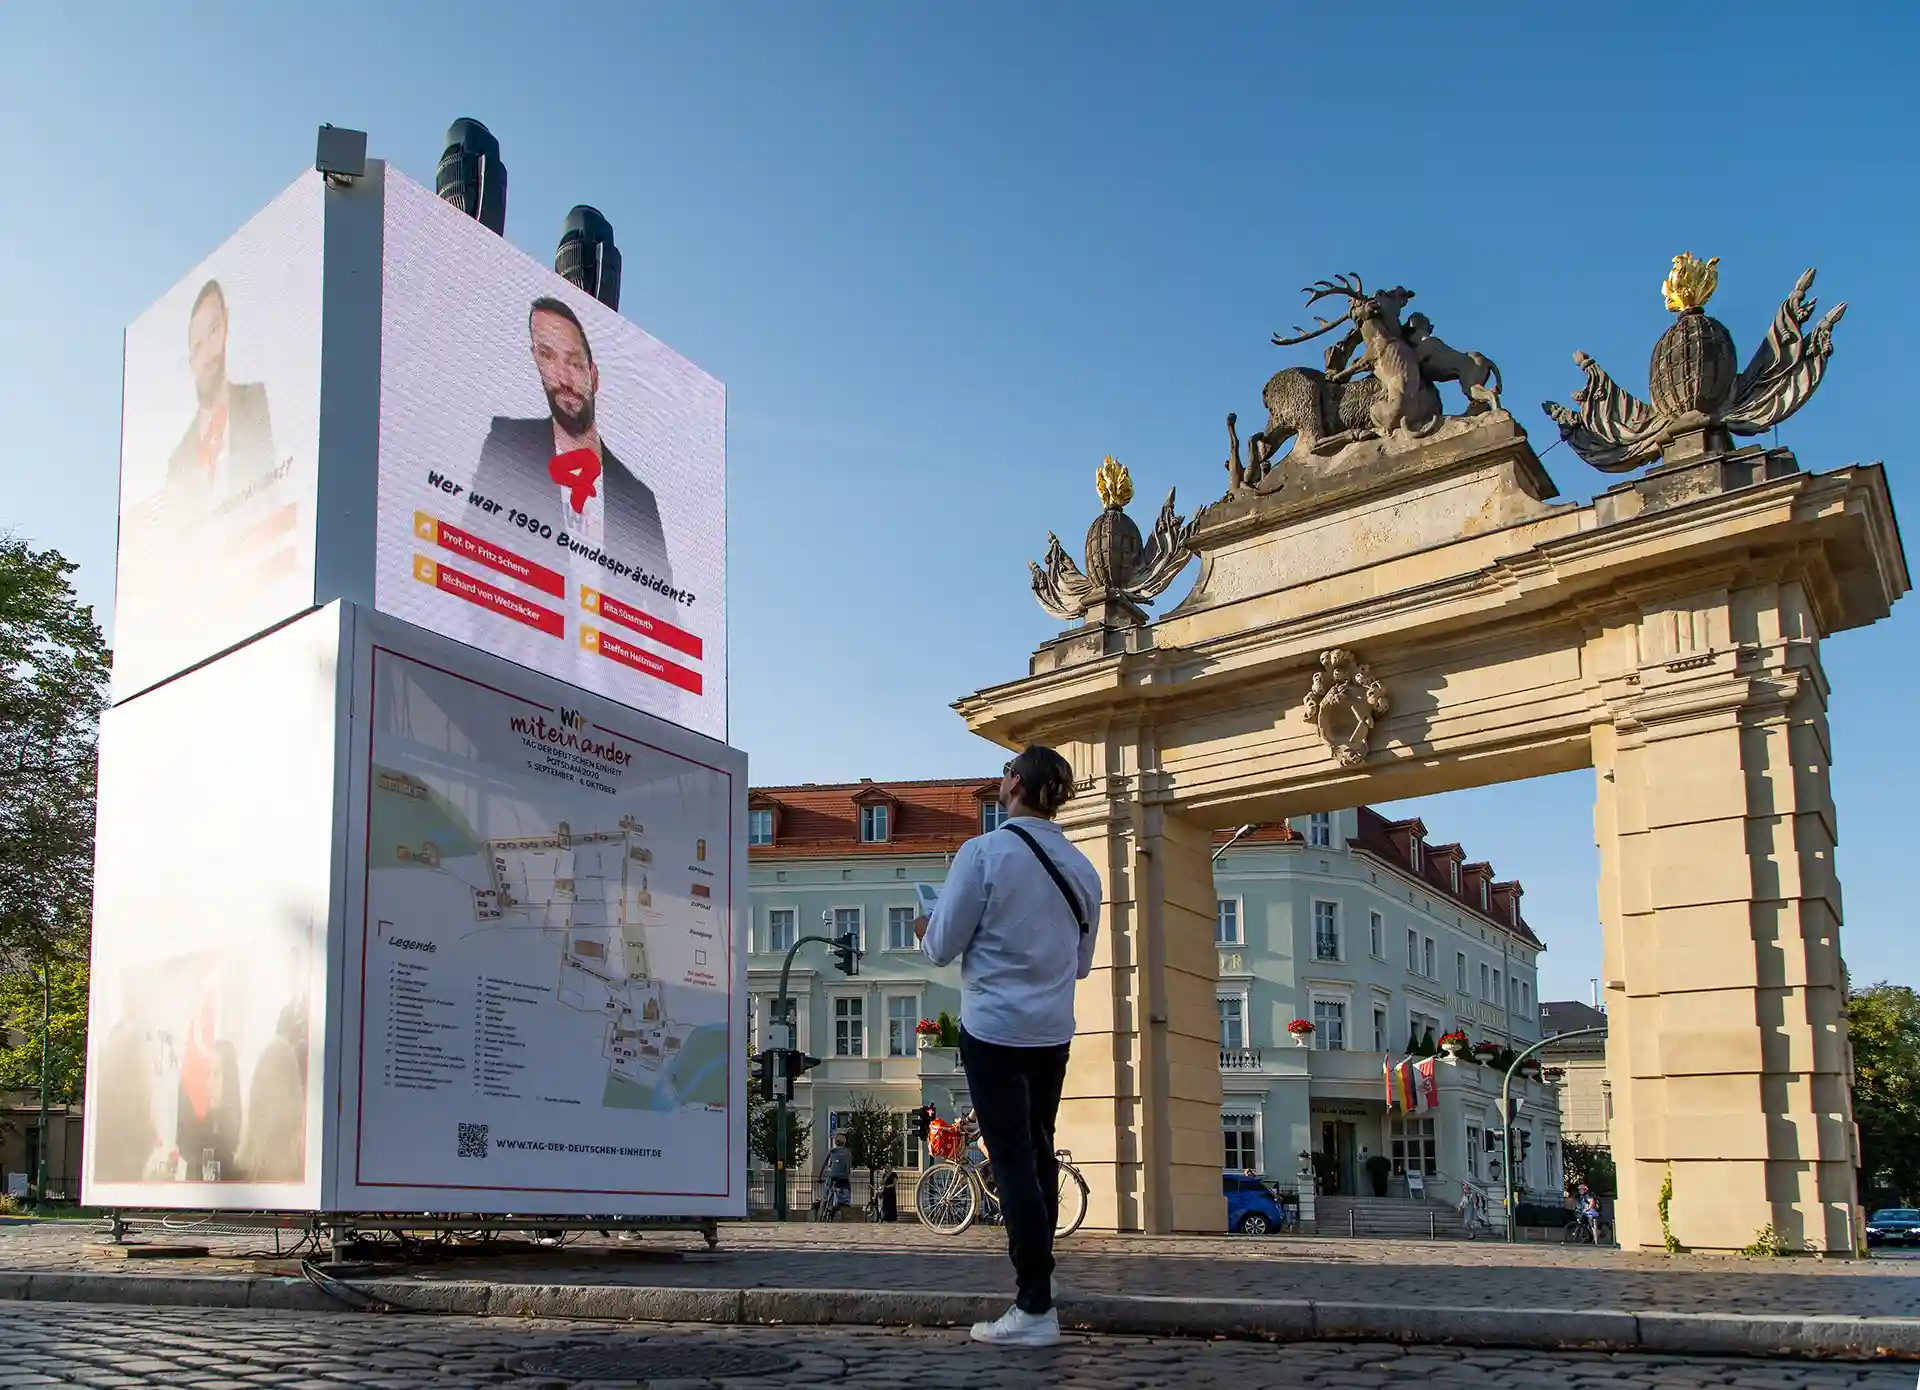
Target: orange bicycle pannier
943 1141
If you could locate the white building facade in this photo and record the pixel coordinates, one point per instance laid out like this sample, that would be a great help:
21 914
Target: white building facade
1350 922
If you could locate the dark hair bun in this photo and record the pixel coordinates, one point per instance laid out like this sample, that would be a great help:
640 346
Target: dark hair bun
1046 779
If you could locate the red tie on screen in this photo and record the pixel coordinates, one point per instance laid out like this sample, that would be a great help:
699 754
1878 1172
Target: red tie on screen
577 470
211 439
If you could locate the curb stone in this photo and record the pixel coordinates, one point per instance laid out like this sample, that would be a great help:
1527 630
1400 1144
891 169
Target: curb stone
1533 1329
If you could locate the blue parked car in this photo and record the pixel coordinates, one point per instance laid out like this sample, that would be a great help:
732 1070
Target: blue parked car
1253 1207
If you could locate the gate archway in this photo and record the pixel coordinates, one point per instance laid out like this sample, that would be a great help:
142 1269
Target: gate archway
1412 615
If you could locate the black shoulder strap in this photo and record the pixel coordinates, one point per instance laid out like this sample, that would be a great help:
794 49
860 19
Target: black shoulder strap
1059 880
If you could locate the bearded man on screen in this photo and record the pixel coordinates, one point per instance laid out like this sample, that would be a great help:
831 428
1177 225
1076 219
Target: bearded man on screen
557 467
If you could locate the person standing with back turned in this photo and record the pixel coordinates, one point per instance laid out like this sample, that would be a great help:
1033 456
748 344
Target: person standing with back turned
1020 910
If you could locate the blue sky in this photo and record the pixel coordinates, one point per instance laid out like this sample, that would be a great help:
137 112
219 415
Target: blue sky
946 257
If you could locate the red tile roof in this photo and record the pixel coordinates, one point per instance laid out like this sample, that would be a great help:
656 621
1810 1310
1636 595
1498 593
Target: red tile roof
822 821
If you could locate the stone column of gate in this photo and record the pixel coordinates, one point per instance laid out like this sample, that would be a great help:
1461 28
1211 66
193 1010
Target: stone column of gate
1141 1107
1720 914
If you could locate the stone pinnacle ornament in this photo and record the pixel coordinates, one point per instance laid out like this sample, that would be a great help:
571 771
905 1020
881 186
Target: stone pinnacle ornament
1122 570
1699 402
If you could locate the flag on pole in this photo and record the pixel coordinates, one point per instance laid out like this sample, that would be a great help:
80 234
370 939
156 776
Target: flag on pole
1400 1088
1429 1085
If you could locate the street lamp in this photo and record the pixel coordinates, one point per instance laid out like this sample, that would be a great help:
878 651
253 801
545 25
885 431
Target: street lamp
1237 836
1506 1118
46 1026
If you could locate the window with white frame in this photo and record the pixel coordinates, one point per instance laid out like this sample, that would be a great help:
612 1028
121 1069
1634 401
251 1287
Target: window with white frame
1320 830
1453 875
1413 951
1486 983
781 929
847 920
760 826
1526 997
1233 1022
1416 852
992 816
900 928
1240 1129
909 1142
1553 1165
1421 1025
1486 898
1412 1145
903 1013
1379 1028
1377 935
1426 960
1475 1143
1460 970
1226 922
1326 930
1499 995
873 823
1330 1025
849 1026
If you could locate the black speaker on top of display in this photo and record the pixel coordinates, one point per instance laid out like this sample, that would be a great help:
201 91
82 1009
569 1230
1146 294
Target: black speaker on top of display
587 256
471 176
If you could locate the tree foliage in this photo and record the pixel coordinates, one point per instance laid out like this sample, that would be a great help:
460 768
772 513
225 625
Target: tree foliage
874 1134
1591 1164
1883 1023
53 685
20 1009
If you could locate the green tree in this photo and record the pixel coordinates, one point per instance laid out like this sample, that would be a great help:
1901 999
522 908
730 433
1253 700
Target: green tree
763 1129
874 1135
1883 1023
53 685
1591 1164
20 1003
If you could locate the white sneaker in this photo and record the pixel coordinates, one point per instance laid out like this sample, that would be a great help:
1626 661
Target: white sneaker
1017 1328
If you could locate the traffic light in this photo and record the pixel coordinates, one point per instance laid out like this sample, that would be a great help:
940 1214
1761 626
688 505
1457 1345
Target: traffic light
922 1120
847 954
798 1065
766 1068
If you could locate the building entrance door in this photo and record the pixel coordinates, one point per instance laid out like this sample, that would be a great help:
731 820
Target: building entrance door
1337 1142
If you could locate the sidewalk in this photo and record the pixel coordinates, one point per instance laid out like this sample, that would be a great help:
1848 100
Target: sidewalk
1289 1289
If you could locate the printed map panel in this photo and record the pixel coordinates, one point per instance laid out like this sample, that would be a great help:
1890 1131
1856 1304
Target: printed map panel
546 988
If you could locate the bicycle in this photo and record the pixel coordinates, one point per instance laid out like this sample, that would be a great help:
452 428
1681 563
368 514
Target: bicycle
1587 1231
958 1190
833 1197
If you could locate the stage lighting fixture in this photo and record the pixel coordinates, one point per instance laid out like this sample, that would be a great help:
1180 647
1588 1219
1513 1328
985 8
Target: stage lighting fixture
588 257
471 176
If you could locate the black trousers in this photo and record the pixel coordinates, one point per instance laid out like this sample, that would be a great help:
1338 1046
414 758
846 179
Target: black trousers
1016 1097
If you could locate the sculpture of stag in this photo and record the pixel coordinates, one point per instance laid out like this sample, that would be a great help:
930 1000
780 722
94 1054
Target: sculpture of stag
1323 411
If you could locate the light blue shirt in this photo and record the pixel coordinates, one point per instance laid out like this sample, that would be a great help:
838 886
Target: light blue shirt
1020 948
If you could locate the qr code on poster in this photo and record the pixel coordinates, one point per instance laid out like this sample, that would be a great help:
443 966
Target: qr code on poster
473 1141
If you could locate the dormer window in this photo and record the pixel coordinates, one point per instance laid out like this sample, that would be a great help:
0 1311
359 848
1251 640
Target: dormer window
873 824
760 825
1453 876
1416 852
1486 897
992 816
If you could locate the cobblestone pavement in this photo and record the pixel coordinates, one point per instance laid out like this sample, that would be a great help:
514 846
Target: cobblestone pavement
764 1255
86 1345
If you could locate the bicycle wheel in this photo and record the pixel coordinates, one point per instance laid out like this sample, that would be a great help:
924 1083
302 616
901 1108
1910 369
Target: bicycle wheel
947 1199
1575 1233
1073 1201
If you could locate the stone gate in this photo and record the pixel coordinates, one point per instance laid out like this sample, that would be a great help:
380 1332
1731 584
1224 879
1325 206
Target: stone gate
1401 608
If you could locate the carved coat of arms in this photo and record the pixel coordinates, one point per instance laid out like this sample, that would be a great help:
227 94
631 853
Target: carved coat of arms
1342 703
